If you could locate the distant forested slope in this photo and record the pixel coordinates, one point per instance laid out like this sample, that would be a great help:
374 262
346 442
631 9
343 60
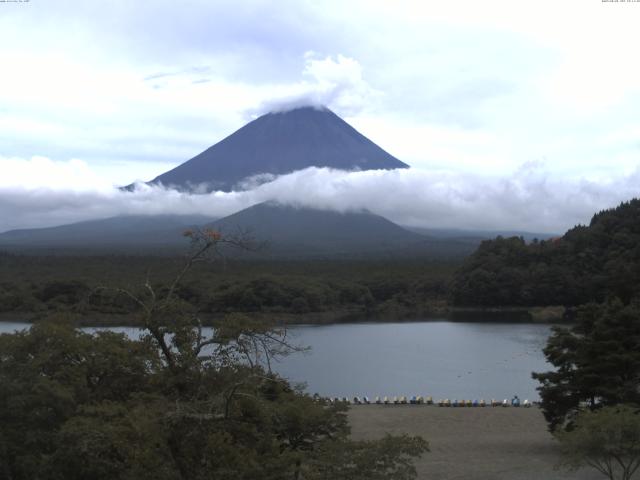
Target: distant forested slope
36 286
588 263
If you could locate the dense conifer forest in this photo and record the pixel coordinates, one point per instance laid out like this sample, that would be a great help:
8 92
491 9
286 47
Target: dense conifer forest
588 264
34 286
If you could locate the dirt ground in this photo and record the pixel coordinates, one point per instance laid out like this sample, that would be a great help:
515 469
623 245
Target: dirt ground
471 443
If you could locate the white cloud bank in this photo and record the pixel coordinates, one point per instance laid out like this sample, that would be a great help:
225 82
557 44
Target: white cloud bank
331 82
41 192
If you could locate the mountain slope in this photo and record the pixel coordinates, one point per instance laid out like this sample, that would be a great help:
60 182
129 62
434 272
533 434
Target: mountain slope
289 232
125 231
280 143
302 232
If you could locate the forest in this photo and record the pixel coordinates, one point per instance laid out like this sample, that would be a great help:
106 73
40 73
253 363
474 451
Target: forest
312 291
588 263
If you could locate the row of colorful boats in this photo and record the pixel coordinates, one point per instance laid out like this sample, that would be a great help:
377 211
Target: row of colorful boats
418 400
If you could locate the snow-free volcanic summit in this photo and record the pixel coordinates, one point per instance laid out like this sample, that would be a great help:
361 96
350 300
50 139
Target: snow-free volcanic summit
279 143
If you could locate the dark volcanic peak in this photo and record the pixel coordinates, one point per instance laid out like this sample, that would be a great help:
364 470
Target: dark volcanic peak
278 143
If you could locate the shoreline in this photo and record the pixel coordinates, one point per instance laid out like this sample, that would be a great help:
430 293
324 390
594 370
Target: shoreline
544 315
471 443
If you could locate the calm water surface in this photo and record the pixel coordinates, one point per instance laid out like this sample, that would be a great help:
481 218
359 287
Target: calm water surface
438 358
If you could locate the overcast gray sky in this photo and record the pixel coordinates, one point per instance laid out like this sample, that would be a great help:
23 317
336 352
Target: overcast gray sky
512 114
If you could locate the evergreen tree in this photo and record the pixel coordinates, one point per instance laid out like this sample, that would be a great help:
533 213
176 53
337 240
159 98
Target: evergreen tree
597 363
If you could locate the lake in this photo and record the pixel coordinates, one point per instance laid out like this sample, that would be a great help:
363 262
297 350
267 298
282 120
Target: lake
438 358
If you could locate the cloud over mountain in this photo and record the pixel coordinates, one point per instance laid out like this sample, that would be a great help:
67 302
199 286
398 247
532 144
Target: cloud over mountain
528 199
336 82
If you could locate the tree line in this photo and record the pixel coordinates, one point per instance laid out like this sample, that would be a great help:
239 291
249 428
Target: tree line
587 264
31 286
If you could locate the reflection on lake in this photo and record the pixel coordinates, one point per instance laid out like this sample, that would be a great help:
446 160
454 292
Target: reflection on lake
438 358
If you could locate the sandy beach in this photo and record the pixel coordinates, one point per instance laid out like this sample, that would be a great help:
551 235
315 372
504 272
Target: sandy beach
471 443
